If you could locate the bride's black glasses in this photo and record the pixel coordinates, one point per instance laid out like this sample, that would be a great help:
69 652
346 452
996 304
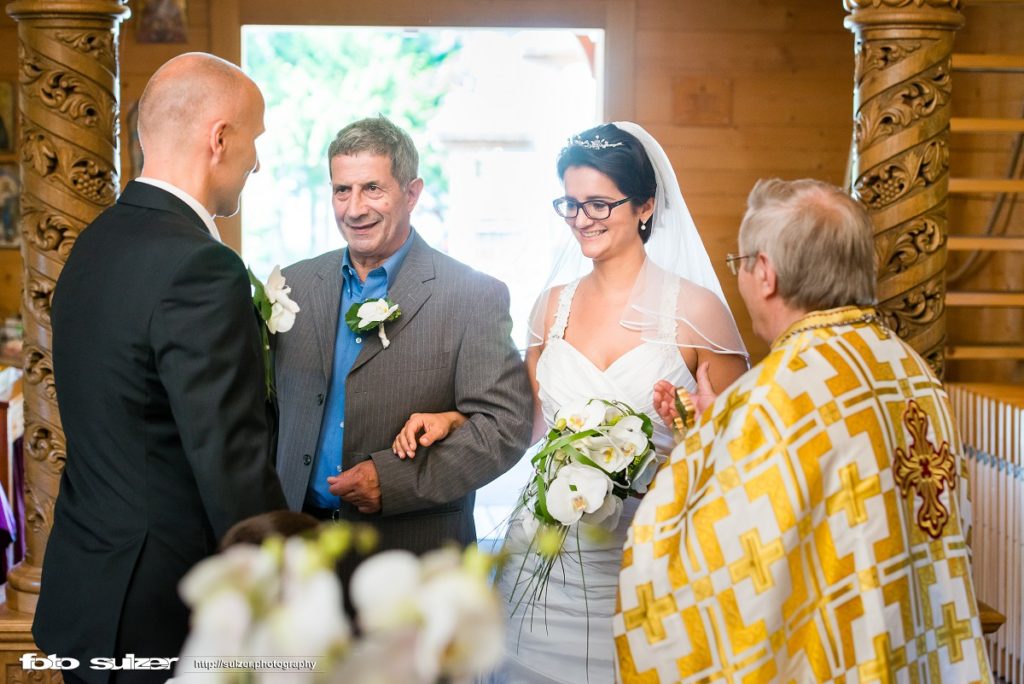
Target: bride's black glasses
596 210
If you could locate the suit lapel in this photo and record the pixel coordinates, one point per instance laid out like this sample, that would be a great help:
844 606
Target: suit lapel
325 300
411 289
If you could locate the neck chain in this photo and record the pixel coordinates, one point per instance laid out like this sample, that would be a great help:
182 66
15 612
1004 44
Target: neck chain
869 317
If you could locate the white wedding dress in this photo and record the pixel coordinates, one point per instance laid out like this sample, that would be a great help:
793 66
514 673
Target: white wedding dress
549 642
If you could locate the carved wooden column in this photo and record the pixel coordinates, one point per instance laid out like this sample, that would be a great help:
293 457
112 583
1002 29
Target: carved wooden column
68 76
901 161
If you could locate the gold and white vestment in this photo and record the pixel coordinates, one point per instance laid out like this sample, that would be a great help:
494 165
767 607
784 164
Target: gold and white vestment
811 527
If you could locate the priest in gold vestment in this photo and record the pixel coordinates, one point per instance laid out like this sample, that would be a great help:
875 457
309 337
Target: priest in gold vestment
813 525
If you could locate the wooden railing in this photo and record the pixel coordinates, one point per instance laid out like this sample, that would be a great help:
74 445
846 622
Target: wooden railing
991 421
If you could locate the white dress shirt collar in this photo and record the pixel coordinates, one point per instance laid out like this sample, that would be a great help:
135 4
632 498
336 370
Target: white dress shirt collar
188 199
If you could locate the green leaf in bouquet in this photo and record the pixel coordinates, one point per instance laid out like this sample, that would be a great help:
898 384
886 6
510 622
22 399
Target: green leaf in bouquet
259 296
648 424
541 509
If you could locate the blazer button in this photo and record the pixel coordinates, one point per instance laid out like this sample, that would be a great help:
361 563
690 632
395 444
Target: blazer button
307 459
320 399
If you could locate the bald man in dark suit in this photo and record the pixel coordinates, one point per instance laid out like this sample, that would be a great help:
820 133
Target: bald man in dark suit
159 376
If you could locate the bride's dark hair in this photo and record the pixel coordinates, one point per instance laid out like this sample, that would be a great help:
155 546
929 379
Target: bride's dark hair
618 155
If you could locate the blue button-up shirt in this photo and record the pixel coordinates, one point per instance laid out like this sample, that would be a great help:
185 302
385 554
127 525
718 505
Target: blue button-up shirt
346 348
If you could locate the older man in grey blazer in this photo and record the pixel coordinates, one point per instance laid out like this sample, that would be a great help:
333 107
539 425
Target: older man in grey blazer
344 396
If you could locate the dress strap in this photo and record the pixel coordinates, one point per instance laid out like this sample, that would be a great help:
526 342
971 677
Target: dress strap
562 314
667 319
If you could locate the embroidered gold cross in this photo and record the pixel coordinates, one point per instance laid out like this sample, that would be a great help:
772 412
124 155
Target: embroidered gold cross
649 613
756 561
925 470
952 632
851 497
886 663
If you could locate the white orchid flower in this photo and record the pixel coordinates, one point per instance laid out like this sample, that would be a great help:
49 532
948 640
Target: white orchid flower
380 658
606 453
647 471
244 567
580 416
282 308
524 527
631 442
374 311
383 590
612 414
462 632
301 624
577 489
630 424
220 624
607 516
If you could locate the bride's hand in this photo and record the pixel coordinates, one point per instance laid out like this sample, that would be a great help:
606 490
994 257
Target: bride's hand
664 401
434 426
665 395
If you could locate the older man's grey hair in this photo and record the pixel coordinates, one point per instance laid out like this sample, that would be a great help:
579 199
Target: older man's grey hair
379 136
819 240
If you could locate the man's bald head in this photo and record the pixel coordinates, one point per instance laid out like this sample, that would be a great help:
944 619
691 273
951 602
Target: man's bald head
186 95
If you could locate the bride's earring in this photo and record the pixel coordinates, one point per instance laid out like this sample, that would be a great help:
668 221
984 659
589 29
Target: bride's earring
644 225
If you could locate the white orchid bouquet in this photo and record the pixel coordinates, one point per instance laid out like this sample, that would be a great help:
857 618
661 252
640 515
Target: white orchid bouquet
422 619
598 453
278 312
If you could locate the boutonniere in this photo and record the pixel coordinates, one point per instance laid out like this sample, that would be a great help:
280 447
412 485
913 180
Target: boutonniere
373 313
277 311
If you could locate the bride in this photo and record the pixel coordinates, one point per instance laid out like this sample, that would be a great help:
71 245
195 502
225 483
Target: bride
642 304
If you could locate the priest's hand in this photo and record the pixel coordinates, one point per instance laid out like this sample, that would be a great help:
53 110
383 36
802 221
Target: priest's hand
359 486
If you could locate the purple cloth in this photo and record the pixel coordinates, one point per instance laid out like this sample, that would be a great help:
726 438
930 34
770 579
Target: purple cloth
18 505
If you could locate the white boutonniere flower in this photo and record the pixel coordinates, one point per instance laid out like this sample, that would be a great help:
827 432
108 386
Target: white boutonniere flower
277 310
373 313
282 308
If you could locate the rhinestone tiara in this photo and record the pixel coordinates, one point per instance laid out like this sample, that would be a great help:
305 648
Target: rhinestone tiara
596 143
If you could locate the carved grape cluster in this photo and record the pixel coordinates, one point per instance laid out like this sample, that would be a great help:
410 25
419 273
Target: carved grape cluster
92 182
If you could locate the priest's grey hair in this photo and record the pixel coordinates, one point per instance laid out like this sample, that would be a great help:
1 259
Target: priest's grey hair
819 240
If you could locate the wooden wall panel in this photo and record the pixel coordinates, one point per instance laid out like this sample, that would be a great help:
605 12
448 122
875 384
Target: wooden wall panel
790 65
992 30
782 71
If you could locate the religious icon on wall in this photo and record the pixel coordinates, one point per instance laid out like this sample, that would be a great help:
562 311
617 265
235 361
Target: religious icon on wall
6 117
161 21
9 191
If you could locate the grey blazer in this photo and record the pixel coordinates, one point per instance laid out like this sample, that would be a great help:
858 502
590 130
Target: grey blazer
450 350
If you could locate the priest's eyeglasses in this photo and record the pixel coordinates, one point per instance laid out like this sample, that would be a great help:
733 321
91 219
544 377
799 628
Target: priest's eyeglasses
596 210
732 261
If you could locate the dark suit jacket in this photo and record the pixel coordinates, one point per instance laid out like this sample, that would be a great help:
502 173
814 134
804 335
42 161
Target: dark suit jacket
159 377
450 349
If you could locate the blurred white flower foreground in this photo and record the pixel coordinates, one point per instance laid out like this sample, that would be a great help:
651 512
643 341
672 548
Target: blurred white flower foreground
421 619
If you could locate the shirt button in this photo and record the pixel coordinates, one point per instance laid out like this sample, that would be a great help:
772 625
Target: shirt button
342 425
307 459
359 340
